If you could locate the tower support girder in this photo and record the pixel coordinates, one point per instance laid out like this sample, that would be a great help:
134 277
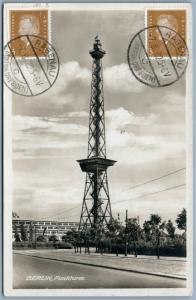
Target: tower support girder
96 207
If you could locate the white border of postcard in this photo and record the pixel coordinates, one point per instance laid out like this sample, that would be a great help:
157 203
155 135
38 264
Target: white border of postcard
7 98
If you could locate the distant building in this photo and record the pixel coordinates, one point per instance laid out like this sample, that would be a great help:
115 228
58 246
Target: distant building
46 228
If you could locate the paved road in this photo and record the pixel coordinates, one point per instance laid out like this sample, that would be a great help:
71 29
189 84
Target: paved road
31 272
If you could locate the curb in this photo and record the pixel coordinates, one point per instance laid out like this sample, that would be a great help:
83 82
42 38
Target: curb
107 267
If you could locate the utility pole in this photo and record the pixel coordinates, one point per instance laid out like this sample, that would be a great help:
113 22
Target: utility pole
35 235
118 218
31 233
126 219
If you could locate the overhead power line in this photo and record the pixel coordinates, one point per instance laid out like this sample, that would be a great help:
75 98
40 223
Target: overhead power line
133 187
154 179
138 197
157 192
62 212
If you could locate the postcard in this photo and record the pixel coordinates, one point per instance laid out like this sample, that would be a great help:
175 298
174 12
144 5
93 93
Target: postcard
97 118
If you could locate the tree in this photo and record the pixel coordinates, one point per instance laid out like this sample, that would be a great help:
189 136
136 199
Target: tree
100 237
23 232
30 232
16 234
72 236
53 238
170 229
64 238
115 232
181 220
155 228
41 238
133 230
15 215
147 231
114 225
88 236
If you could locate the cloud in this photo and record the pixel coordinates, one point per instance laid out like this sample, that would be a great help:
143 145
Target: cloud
118 124
71 78
71 72
33 134
117 78
120 79
145 150
79 114
29 124
31 193
72 89
166 204
120 117
140 139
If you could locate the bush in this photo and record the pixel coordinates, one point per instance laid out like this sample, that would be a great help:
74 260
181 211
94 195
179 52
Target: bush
63 245
41 238
53 238
170 247
22 245
166 249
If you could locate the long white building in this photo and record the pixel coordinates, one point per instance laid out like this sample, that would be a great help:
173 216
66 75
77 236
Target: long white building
46 228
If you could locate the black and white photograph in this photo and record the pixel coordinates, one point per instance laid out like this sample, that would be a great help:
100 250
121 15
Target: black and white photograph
97 149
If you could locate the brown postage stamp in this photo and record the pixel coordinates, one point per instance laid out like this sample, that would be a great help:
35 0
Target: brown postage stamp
24 23
165 26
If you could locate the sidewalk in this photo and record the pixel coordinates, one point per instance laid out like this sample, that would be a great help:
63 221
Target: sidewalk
173 267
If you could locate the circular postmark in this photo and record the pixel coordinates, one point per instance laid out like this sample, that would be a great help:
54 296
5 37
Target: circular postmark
31 65
157 56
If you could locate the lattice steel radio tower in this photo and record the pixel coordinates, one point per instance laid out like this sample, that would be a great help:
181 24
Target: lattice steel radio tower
96 208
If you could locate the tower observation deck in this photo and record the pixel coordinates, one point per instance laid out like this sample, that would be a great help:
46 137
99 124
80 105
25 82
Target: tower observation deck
96 207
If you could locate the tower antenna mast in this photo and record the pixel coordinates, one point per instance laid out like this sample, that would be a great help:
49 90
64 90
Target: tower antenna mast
96 207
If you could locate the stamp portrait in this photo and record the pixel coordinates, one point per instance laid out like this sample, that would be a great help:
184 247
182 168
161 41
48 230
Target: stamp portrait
172 19
158 54
31 62
27 22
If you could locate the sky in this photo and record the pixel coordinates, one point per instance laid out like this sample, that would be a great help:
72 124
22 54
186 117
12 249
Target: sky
145 127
